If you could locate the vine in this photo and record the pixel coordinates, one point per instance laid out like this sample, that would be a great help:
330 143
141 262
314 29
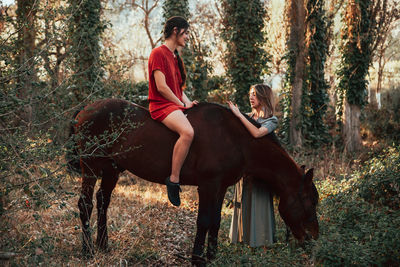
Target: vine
286 97
315 95
245 59
356 54
85 31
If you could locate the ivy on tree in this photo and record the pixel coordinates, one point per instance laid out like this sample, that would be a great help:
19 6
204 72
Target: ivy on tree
243 33
85 31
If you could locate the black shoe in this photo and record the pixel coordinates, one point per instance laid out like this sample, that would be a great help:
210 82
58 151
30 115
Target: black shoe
173 192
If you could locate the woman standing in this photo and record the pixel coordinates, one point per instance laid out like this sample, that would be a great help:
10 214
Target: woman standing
167 100
253 220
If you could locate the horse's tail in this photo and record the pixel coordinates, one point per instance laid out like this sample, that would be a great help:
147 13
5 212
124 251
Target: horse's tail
72 155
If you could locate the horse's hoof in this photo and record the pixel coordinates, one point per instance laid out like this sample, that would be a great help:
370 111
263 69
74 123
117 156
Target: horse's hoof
87 247
87 253
198 261
211 252
211 256
102 245
103 248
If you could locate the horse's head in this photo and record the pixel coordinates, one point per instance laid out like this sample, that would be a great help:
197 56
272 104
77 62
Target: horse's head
298 209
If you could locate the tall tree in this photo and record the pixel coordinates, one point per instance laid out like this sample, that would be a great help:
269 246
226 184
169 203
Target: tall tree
333 9
356 59
26 72
148 22
85 31
291 123
243 24
147 8
315 95
176 8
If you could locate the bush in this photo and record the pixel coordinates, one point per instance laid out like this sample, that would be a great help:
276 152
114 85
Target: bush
355 232
380 181
384 123
360 224
136 92
218 92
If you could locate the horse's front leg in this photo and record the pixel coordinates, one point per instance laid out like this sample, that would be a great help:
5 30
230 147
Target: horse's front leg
85 210
203 223
214 226
207 203
103 196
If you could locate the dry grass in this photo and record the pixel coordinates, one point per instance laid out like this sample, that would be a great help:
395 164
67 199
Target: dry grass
144 229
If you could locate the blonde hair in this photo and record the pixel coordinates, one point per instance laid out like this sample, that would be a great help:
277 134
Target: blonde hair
265 96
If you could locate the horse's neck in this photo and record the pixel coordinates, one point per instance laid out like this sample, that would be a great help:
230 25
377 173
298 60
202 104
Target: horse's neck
263 157
269 162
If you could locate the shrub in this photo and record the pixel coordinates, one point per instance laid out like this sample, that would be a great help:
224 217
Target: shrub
384 123
360 224
218 91
136 92
380 181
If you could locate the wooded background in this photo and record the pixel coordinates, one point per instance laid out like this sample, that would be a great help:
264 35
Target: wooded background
334 67
334 58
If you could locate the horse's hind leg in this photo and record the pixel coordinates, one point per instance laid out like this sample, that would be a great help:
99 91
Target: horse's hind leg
108 182
85 209
214 226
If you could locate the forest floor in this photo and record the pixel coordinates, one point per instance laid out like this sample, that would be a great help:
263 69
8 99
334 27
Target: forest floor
146 230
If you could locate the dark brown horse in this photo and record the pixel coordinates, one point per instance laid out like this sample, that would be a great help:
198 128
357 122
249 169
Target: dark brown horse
116 135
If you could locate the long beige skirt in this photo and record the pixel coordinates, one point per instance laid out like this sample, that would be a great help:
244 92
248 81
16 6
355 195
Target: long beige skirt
253 221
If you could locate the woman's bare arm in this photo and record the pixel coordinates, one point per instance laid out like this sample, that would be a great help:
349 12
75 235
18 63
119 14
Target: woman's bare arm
254 131
164 89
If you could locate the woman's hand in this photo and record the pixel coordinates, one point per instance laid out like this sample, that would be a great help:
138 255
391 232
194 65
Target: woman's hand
191 104
234 108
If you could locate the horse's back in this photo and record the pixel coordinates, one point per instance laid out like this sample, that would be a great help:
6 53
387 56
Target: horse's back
145 146
109 108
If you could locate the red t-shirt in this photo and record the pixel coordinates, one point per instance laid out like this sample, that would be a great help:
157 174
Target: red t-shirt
162 59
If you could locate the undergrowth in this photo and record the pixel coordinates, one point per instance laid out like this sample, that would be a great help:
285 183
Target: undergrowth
359 220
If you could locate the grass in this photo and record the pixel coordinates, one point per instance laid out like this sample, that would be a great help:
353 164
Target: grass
40 224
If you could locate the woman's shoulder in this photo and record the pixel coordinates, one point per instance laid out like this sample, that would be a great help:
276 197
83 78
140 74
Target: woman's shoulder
270 123
158 54
269 119
158 51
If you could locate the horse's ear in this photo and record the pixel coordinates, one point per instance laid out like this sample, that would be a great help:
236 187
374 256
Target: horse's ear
309 176
303 169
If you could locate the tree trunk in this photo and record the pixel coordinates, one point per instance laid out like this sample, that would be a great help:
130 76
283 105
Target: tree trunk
86 29
26 15
372 96
351 127
296 43
373 92
381 67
